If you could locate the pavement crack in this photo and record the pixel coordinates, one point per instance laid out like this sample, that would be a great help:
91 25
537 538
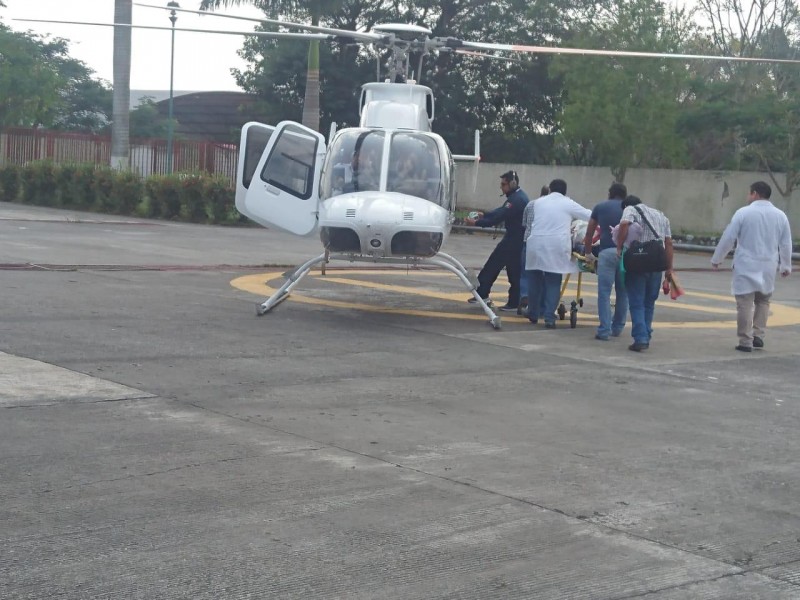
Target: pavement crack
73 401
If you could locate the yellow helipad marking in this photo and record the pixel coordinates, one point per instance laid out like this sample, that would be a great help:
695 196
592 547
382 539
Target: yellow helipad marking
259 284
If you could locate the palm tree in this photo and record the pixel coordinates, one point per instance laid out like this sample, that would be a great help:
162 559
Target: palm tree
316 8
120 125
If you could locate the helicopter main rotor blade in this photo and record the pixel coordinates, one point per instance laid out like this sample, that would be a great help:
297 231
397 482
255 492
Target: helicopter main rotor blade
457 44
489 56
264 34
356 35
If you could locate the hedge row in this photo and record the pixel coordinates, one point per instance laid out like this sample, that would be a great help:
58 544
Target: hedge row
195 198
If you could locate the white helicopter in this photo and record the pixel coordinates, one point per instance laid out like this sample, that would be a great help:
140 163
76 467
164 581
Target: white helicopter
382 192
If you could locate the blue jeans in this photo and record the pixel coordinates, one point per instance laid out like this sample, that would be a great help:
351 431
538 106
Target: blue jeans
608 275
544 290
643 290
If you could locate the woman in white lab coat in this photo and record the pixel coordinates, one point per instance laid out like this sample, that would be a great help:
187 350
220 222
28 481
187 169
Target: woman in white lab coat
549 250
763 245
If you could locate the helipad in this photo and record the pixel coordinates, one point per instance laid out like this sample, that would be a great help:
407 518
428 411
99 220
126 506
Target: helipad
397 291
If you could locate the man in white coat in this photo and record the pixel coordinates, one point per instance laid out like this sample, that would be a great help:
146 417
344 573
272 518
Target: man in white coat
763 246
548 250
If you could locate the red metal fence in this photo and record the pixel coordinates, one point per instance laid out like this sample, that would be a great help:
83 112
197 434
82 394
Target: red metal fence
148 156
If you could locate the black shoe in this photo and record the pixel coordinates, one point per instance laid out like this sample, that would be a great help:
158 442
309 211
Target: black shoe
601 338
741 348
534 321
549 325
638 346
758 342
474 301
508 308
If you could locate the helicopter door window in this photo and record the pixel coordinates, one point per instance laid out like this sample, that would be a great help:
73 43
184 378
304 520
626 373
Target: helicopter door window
415 167
257 140
290 166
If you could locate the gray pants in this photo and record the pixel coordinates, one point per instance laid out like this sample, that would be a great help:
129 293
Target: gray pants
751 316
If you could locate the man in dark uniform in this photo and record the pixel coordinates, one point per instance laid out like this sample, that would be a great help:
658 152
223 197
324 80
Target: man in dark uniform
507 253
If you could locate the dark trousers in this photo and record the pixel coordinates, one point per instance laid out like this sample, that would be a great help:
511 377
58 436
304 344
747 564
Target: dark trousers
506 254
544 291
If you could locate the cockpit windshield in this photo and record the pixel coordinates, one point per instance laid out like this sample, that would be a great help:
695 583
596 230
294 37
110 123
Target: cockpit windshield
353 163
414 167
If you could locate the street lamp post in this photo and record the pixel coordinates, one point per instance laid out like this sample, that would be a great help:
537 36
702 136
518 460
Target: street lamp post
173 17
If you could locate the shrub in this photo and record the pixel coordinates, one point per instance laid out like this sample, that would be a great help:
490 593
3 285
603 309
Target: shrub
10 181
164 194
127 192
192 197
103 189
75 186
39 184
196 197
219 202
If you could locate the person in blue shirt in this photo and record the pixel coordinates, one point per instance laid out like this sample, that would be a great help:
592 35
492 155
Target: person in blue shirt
508 252
606 215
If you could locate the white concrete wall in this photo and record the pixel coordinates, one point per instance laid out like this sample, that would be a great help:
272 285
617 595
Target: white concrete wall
693 200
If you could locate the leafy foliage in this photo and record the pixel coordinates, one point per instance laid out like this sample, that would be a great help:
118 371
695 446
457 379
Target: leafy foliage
198 197
747 116
622 112
147 122
512 103
41 86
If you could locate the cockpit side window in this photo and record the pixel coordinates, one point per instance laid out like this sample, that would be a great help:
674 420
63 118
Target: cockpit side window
415 167
353 163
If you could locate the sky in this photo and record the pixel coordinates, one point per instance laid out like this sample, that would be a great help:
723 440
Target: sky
202 61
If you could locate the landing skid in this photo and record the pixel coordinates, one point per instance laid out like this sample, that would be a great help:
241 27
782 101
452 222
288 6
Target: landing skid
292 279
441 260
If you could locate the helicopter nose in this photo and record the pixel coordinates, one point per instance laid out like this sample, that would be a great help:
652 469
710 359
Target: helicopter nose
382 225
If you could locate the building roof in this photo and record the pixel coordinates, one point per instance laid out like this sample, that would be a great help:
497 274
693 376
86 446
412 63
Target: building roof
155 95
212 116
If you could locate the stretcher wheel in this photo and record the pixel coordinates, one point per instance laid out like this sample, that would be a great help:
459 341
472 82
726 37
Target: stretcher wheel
562 311
573 315
580 302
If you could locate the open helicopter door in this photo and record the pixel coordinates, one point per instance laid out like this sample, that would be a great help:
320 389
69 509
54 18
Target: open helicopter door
284 189
253 141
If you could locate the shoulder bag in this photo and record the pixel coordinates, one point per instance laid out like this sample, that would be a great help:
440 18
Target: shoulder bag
647 257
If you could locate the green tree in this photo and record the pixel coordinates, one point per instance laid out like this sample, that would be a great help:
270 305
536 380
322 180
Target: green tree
147 122
86 103
513 103
41 86
747 116
622 112
313 9
277 73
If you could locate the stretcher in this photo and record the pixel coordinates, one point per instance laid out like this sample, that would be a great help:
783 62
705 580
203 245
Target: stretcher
584 266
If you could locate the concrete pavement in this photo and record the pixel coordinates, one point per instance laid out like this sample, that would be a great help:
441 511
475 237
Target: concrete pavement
159 440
